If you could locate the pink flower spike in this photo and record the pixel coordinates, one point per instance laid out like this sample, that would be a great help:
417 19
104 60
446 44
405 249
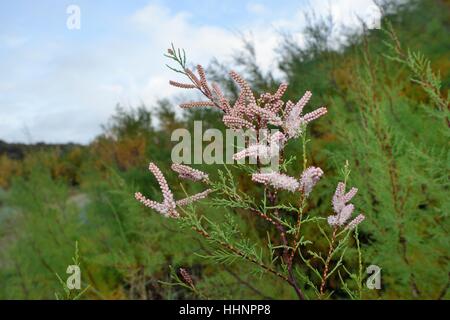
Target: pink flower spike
223 102
193 198
268 97
303 101
167 194
341 208
182 85
196 104
309 179
234 122
262 150
203 81
277 180
151 204
295 111
345 214
187 172
277 140
254 151
167 207
280 92
245 87
349 195
352 224
315 114
288 107
253 111
293 119
338 201
293 127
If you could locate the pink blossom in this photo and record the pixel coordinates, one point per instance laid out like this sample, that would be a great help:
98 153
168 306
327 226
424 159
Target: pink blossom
187 172
277 139
293 119
342 217
341 208
310 116
245 87
168 206
262 150
161 208
288 108
167 193
273 102
352 224
277 180
340 198
182 85
193 198
309 179
268 97
223 102
203 82
197 104
253 111
236 122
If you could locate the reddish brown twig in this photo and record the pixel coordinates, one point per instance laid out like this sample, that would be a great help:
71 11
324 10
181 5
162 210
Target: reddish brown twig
327 262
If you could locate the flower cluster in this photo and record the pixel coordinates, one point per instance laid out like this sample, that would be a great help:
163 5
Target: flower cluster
247 111
256 113
168 206
342 209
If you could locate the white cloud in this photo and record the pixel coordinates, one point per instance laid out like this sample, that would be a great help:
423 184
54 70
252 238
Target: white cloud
348 12
256 8
12 41
63 92
79 88
162 27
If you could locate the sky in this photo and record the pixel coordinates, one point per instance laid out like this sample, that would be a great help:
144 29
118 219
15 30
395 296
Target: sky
59 84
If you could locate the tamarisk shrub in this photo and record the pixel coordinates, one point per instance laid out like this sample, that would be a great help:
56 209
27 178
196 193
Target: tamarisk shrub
262 112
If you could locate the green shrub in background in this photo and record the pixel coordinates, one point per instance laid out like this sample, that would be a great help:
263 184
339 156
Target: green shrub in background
38 236
388 116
